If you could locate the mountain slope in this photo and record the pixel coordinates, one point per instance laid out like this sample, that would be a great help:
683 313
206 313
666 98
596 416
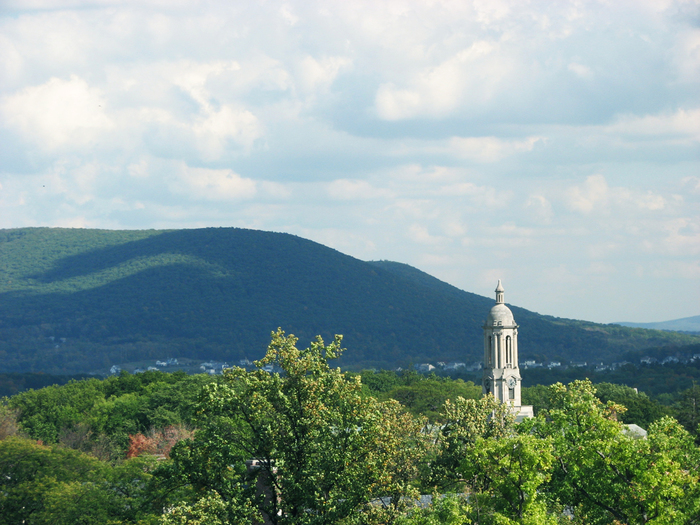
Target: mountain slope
687 324
217 293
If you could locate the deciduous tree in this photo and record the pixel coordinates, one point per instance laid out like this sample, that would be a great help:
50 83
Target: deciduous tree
608 475
322 450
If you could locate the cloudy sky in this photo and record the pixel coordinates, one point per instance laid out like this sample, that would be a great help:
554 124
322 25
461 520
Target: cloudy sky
554 145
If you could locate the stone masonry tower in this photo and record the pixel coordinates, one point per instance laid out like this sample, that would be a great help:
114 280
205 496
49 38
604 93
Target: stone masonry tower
501 372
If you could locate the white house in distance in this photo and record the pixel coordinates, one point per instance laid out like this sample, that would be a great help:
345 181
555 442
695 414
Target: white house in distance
501 372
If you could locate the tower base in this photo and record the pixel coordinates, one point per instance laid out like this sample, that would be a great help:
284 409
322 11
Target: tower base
522 413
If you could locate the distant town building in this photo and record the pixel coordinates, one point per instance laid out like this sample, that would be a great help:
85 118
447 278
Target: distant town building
619 364
501 372
217 366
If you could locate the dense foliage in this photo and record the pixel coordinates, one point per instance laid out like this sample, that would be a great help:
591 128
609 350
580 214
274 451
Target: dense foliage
99 416
75 300
312 444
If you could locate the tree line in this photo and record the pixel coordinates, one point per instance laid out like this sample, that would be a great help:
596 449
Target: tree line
314 445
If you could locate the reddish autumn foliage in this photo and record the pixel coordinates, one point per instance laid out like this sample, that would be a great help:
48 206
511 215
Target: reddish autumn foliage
157 442
138 445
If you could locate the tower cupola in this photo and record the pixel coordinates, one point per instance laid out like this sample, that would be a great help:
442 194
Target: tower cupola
500 293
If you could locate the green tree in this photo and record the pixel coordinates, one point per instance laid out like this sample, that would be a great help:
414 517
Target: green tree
427 396
379 382
537 396
322 450
9 426
443 510
45 412
606 474
209 509
640 409
465 422
687 409
505 476
54 485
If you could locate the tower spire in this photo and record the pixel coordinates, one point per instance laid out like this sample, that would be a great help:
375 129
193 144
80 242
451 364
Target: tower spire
500 295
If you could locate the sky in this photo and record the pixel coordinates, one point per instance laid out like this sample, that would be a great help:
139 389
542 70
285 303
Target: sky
553 145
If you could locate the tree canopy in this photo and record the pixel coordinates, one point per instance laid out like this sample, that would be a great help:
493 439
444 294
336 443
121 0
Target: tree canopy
310 444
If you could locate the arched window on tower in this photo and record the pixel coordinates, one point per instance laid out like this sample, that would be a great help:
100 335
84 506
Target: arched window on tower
490 356
509 352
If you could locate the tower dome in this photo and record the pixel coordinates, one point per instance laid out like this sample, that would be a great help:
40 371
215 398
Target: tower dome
500 314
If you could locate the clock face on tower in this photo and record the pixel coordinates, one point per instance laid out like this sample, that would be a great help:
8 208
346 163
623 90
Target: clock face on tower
511 382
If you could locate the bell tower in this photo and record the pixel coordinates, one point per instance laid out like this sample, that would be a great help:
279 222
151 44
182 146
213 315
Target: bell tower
501 372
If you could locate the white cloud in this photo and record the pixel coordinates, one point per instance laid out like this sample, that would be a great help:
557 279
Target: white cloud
274 190
480 196
10 61
419 234
192 76
288 15
651 201
682 236
471 75
454 228
317 75
215 130
58 114
539 208
344 189
212 184
580 70
693 183
593 194
683 123
490 277
490 149
138 169
215 126
601 268
687 55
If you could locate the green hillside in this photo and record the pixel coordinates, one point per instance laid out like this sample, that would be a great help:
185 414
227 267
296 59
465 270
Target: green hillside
74 300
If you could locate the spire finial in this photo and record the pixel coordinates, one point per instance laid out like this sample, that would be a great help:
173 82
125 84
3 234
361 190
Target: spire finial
500 293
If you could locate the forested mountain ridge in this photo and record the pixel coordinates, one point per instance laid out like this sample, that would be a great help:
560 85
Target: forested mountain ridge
74 300
686 324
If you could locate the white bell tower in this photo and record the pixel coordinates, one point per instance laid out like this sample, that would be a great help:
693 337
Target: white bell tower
501 371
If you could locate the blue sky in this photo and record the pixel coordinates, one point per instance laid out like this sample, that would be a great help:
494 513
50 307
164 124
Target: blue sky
553 145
